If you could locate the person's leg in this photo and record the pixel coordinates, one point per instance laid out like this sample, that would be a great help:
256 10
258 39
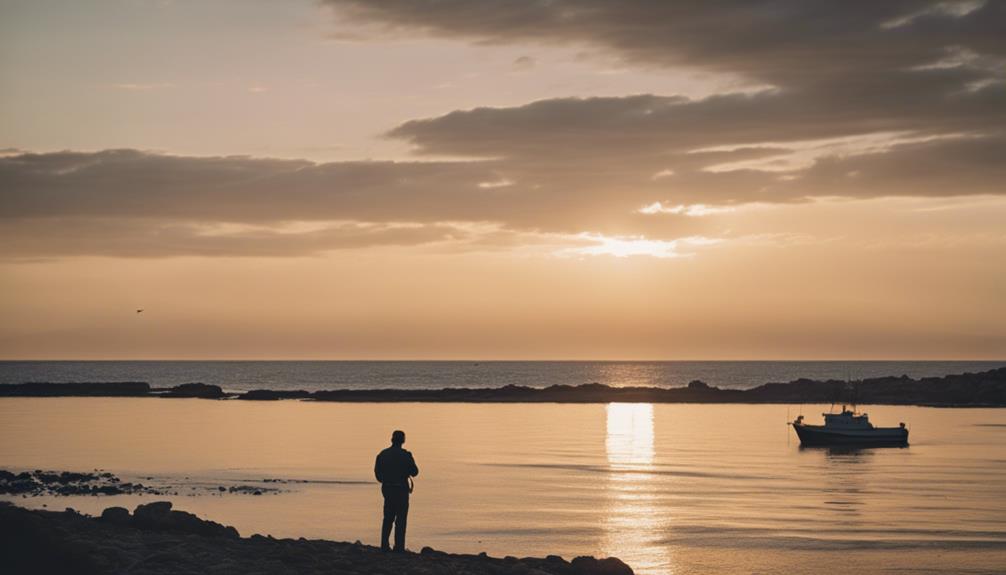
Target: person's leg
389 518
401 521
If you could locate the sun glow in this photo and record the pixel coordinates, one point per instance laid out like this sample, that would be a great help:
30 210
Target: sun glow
693 210
626 246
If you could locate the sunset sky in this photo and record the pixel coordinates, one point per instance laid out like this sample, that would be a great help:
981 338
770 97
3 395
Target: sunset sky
530 179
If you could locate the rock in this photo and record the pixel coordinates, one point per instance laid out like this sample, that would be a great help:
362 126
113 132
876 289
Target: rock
606 566
158 516
189 523
697 384
76 389
151 515
199 390
116 516
272 395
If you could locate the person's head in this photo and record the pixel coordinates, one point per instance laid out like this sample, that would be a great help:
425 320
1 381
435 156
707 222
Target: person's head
398 437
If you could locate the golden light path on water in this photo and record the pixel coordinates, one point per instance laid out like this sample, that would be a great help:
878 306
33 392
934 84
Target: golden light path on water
633 519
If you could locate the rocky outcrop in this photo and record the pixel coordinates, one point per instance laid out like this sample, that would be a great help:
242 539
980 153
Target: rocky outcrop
985 389
198 390
38 482
970 389
76 389
158 516
273 395
156 539
41 483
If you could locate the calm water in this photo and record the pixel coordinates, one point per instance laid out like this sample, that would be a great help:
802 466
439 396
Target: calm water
314 375
675 489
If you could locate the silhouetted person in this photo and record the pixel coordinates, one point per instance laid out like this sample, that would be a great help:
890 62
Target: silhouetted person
394 468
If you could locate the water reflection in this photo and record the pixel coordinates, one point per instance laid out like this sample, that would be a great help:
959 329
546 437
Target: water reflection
846 470
629 441
633 522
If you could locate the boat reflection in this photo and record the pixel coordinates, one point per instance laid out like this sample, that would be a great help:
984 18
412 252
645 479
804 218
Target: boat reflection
845 470
633 526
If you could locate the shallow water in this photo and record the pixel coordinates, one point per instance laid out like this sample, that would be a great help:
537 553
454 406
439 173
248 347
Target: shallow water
668 488
315 375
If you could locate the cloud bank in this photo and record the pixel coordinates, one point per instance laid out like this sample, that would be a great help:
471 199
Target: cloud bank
852 99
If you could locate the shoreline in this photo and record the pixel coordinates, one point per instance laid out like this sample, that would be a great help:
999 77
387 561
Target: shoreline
156 538
982 389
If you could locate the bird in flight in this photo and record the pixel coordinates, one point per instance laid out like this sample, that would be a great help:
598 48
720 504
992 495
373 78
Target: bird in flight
139 311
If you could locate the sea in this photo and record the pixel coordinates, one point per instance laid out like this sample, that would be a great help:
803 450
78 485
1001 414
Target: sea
318 375
675 489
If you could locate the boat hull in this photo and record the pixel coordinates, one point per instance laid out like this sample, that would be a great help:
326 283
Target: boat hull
815 435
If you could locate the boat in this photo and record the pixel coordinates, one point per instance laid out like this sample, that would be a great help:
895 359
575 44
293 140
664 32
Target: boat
849 428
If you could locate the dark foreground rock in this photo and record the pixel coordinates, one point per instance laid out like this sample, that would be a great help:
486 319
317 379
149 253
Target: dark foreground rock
156 539
984 389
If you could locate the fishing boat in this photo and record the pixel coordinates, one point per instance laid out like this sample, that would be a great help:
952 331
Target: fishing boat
849 428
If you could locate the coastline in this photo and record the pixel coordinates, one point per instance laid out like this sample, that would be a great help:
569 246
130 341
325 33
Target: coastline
157 539
982 389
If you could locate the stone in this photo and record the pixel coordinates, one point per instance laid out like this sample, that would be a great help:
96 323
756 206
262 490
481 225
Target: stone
116 516
199 390
153 514
606 566
189 523
697 384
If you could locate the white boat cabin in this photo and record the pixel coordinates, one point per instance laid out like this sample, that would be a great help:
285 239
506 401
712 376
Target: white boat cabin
848 419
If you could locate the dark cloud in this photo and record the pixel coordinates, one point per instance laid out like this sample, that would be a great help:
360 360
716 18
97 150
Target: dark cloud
953 167
654 126
33 238
783 42
834 70
927 76
130 203
130 183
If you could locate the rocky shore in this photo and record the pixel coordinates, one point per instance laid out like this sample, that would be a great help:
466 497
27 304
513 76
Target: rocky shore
156 539
66 483
984 389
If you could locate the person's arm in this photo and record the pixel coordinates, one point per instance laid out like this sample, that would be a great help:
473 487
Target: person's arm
413 470
377 468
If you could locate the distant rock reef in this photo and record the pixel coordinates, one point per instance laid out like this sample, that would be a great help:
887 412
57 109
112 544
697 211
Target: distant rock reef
983 389
157 539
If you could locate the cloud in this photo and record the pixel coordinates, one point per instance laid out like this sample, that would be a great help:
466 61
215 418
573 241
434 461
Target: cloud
878 75
127 202
523 63
781 42
849 99
34 238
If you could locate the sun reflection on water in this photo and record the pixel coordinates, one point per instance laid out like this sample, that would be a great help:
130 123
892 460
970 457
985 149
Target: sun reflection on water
633 522
630 434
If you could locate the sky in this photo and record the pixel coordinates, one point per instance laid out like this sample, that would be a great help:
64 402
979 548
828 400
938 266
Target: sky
531 179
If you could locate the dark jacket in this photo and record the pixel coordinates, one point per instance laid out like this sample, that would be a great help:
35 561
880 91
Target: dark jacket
394 467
